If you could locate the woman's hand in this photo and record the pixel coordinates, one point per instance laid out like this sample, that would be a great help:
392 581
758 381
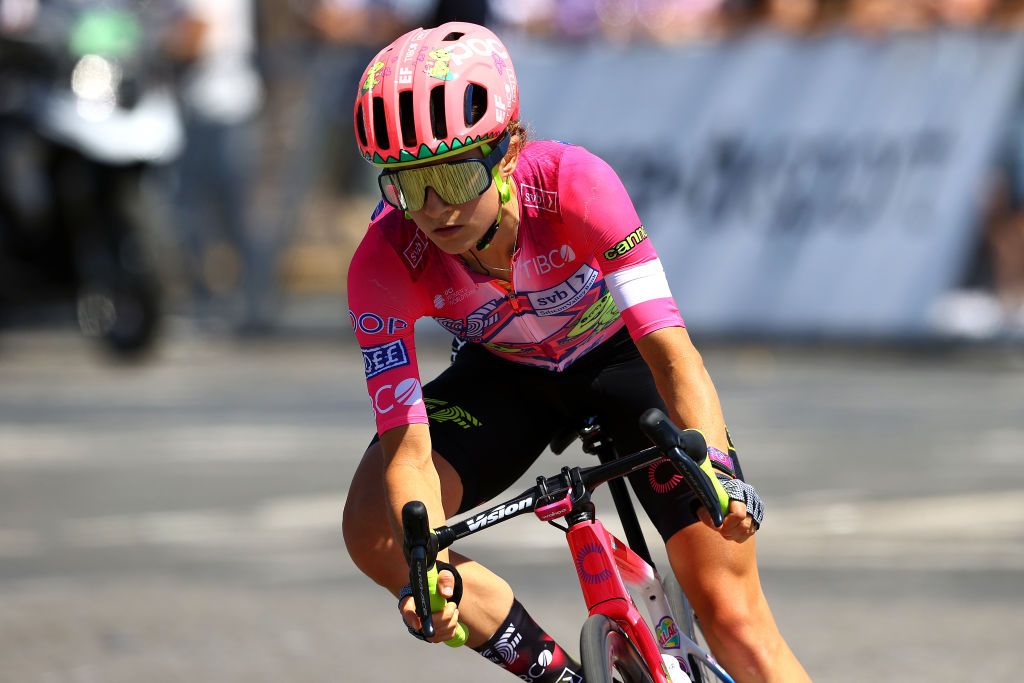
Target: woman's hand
445 621
746 511
737 526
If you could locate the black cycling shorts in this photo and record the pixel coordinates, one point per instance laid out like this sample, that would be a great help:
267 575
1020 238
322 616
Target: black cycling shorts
491 419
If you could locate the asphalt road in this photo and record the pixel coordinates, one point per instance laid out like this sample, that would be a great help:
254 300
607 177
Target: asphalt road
179 521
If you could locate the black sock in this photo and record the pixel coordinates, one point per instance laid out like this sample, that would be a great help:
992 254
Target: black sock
523 648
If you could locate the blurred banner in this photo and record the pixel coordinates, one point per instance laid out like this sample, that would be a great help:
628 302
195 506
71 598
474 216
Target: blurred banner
817 187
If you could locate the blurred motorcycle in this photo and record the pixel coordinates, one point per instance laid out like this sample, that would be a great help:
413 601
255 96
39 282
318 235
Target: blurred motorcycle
86 112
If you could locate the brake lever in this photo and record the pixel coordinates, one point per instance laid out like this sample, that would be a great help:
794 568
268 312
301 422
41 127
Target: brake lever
421 557
688 450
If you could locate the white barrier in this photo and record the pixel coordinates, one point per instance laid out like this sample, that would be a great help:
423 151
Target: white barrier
828 186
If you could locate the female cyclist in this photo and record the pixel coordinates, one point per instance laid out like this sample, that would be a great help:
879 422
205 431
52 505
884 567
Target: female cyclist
533 256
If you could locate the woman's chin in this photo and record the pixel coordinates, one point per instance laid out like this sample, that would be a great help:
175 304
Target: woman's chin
454 243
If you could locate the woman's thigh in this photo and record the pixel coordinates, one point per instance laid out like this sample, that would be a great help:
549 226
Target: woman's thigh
489 420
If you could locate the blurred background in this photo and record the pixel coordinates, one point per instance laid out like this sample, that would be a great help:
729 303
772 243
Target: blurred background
835 186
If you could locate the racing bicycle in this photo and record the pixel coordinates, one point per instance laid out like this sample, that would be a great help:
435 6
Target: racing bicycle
616 642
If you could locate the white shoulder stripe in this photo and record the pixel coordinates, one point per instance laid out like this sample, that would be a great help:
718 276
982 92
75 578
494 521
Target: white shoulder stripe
637 284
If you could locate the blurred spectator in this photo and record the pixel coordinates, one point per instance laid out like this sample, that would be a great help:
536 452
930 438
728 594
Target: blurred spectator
966 13
320 169
876 18
668 21
536 17
325 190
791 16
1005 238
345 35
673 21
1008 15
17 15
1004 233
221 94
799 16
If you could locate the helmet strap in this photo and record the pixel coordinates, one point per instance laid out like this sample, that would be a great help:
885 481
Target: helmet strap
504 195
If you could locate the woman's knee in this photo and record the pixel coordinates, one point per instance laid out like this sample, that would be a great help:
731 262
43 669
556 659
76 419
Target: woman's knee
365 527
739 625
721 580
371 547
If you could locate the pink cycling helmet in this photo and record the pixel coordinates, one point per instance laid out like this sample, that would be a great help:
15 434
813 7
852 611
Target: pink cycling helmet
433 93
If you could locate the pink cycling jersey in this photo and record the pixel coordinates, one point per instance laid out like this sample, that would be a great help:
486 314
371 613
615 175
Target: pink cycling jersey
583 267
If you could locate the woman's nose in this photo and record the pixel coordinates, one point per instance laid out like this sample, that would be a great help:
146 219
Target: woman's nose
433 205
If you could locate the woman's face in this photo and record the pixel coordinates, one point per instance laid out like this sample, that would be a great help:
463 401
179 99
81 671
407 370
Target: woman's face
455 228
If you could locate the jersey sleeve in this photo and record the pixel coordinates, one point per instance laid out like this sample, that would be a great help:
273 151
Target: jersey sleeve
595 201
382 311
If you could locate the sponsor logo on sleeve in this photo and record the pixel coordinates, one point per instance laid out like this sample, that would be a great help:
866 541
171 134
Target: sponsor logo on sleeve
407 392
379 359
371 323
539 198
626 245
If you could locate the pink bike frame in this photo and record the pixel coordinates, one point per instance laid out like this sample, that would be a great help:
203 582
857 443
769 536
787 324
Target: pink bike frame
605 566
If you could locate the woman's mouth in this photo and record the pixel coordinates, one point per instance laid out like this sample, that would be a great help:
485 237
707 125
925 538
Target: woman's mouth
447 230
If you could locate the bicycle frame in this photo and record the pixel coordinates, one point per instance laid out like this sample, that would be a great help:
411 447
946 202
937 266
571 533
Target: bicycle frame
606 567
637 570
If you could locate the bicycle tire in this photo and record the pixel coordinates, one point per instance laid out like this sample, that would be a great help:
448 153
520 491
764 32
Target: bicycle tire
608 655
702 672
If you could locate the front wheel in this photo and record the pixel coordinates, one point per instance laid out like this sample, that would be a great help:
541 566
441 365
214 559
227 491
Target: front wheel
608 655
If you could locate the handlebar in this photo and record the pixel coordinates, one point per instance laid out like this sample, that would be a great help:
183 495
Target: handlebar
686 449
578 482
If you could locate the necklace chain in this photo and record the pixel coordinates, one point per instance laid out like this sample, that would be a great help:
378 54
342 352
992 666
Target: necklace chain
487 270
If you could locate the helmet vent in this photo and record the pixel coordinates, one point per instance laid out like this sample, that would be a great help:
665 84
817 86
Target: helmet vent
361 127
454 35
438 122
405 117
475 105
380 124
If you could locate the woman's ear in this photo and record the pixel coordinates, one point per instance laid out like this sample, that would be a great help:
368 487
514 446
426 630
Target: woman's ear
511 158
